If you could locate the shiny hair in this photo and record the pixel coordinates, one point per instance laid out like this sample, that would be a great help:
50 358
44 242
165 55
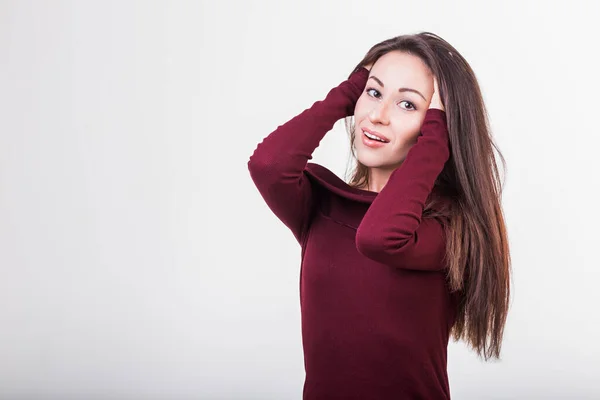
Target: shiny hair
477 248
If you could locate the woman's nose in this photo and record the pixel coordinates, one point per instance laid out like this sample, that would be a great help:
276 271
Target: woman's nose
379 113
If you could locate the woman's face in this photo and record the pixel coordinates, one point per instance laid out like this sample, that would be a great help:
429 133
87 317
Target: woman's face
393 107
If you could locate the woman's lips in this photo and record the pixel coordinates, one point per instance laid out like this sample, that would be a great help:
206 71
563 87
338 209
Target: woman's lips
371 142
373 133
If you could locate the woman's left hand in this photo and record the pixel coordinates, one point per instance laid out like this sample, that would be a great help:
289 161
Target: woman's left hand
436 102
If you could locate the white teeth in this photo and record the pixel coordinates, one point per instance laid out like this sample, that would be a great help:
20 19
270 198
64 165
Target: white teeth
373 137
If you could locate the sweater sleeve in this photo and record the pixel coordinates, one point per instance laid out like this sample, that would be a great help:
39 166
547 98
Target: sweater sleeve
393 231
278 162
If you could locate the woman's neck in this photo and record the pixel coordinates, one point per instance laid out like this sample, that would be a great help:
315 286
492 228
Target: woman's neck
378 178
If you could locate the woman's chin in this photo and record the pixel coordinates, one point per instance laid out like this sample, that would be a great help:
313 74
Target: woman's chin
370 162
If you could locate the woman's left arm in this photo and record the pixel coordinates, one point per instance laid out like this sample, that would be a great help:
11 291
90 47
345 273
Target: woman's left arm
393 231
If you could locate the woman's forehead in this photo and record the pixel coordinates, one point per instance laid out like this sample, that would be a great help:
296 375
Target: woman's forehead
396 69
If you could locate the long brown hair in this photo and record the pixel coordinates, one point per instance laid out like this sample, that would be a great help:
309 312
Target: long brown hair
477 249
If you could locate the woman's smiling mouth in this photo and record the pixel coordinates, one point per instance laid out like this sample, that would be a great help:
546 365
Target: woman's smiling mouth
372 139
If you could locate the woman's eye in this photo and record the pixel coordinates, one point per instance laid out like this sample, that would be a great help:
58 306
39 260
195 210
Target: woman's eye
412 106
371 89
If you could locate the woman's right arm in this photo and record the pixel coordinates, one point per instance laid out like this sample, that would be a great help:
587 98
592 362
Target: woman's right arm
278 162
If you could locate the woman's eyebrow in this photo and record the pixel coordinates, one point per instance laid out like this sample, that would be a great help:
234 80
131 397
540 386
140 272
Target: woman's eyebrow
401 89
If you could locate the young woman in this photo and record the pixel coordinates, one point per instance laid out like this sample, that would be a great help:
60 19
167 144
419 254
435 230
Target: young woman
414 248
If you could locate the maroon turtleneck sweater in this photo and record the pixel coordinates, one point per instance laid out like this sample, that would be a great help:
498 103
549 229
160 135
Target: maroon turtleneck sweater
376 309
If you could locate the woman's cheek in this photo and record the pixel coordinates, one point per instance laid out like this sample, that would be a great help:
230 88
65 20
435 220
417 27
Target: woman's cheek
360 106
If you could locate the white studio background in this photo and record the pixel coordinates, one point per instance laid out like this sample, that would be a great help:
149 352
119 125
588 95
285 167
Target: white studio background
138 261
